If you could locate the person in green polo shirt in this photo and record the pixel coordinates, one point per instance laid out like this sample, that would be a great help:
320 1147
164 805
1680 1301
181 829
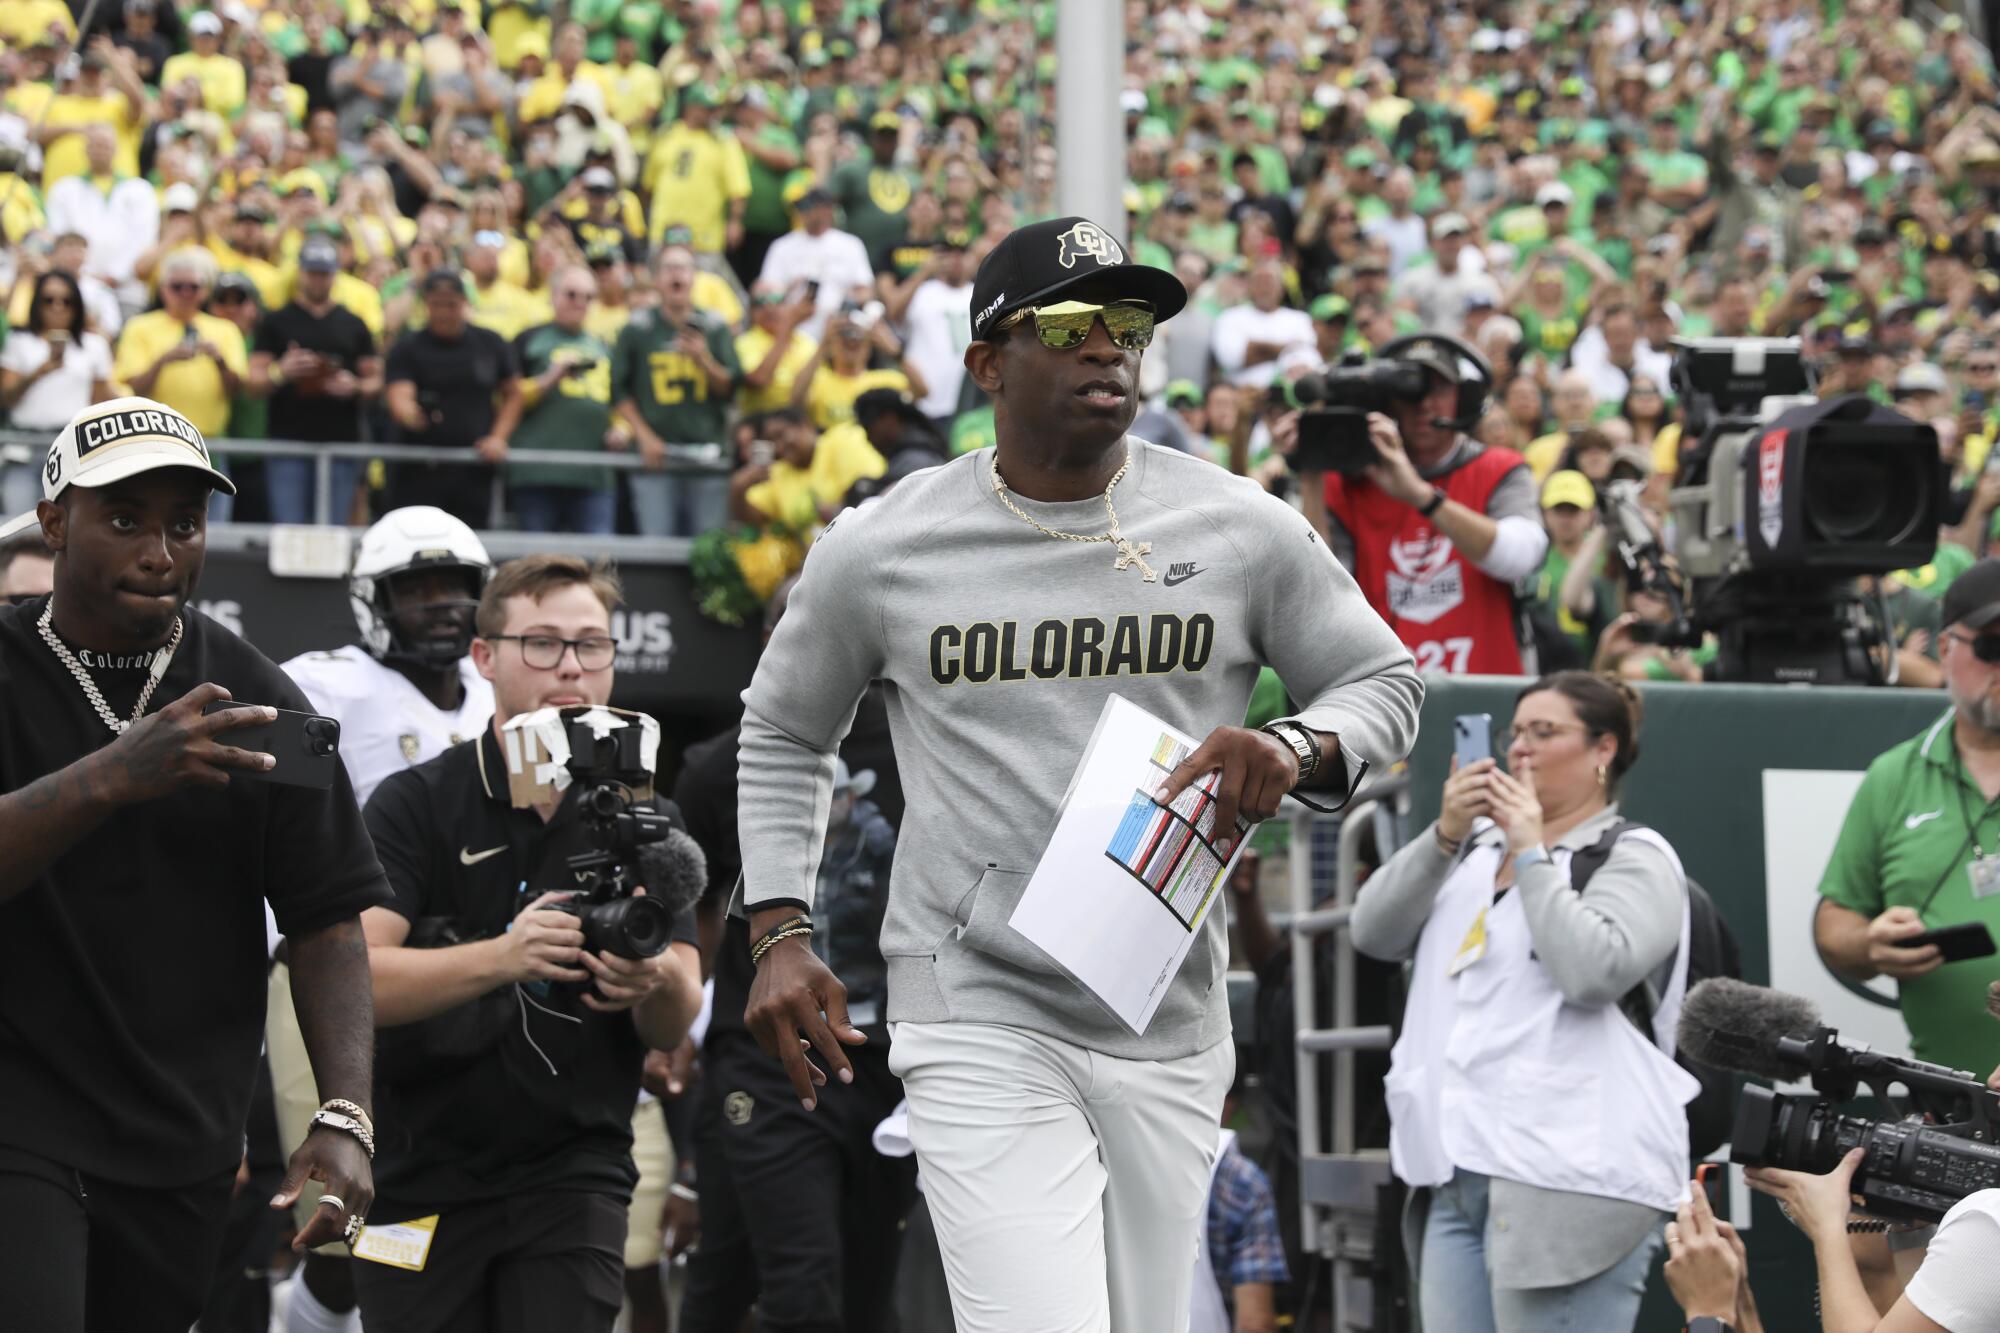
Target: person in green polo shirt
566 394
672 372
1920 847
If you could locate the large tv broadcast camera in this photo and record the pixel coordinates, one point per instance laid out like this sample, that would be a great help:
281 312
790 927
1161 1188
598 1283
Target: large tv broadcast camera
1919 1161
1932 1146
1334 403
1781 503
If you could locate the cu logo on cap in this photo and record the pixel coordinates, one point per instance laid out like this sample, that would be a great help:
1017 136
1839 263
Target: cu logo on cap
54 469
1088 239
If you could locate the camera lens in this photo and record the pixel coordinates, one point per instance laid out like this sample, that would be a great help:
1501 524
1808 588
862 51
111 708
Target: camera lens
629 927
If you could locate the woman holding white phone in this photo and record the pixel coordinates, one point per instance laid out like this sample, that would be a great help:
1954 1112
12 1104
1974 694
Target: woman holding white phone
49 371
1542 1130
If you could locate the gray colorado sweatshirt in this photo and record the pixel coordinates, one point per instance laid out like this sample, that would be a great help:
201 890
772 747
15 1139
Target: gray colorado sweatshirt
999 646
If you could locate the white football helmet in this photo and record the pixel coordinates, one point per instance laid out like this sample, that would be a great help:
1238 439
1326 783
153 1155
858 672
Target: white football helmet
404 541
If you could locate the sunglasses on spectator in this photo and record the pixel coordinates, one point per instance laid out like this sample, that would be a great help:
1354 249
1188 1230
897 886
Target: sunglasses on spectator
182 286
230 297
544 652
1981 367
1068 324
1985 647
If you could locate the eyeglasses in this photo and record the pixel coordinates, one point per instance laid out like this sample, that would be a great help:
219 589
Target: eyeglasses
544 652
1068 324
1540 733
1985 647
1981 368
181 286
230 297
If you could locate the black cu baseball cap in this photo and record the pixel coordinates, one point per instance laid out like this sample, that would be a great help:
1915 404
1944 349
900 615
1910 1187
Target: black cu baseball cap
1973 599
1044 259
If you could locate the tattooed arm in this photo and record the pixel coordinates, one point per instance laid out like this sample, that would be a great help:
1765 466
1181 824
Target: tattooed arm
161 753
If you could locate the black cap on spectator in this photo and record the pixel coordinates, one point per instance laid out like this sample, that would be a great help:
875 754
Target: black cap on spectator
237 284
442 279
1856 344
319 256
1044 259
1973 599
815 197
884 402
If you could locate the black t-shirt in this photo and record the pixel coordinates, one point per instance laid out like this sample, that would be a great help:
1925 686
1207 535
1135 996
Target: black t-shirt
132 973
706 796
300 410
498 1122
455 381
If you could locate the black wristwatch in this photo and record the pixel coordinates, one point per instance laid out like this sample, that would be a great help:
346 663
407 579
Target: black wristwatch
1301 742
1708 1323
1438 497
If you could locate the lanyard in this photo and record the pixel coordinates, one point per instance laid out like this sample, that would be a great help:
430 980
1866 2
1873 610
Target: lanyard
1965 811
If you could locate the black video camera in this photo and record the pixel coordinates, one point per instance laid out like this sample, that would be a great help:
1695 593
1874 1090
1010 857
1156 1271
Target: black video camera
1334 403
1918 1164
606 768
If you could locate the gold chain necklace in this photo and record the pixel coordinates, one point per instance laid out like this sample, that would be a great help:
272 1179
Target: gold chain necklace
1129 552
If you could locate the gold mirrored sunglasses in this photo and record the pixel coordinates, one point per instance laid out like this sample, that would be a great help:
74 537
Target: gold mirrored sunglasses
1067 324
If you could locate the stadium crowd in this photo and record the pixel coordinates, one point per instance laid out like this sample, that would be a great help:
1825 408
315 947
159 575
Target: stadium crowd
736 241
700 231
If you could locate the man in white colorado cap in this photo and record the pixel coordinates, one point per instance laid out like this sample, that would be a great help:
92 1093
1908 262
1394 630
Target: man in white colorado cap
134 868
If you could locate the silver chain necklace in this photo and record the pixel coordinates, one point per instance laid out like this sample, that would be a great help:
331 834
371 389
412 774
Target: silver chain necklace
83 678
1129 553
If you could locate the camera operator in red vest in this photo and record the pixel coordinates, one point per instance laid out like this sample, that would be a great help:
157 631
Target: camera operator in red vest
1439 529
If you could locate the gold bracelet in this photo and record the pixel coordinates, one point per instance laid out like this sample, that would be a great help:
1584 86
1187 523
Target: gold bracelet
764 945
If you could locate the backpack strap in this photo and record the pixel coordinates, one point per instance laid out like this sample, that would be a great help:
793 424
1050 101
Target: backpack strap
1641 1002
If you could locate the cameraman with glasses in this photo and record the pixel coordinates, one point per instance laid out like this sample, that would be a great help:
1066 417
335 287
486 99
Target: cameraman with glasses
1920 847
509 1053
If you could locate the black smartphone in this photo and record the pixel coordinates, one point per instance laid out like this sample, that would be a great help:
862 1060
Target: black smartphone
1472 738
306 746
1968 939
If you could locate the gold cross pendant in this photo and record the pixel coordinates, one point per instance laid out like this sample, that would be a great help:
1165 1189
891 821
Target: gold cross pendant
1128 555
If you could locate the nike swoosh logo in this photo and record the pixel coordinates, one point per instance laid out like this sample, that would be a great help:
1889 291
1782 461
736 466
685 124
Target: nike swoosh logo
468 857
1914 820
1175 580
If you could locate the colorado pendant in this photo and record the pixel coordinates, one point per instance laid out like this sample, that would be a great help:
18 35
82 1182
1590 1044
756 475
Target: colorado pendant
1129 554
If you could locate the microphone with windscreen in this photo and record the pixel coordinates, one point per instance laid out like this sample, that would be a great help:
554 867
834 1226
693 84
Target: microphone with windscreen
673 870
1733 1025
1933 1142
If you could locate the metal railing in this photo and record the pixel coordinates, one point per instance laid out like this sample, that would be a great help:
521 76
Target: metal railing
1338 1181
684 459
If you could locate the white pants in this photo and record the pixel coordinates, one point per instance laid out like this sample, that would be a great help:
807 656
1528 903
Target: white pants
1068 1187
